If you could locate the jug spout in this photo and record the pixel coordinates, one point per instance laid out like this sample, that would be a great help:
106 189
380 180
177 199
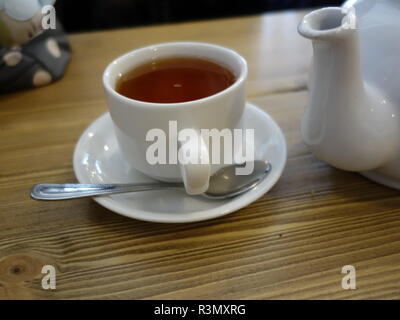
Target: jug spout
347 123
328 23
334 36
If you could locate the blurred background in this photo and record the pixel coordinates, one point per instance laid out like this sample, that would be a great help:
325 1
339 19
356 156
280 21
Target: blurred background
105 14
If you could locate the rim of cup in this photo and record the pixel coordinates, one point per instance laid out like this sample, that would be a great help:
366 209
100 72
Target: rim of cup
110 88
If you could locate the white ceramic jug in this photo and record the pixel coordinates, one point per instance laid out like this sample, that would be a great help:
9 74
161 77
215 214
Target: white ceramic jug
353 119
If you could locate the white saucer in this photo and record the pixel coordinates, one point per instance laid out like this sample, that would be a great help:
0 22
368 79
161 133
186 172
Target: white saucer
97 160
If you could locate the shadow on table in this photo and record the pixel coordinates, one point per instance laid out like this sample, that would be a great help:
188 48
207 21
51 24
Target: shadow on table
322 187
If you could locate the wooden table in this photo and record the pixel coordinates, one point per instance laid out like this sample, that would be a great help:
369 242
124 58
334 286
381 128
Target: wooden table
291 243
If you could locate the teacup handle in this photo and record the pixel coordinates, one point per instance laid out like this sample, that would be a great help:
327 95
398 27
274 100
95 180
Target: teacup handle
194 165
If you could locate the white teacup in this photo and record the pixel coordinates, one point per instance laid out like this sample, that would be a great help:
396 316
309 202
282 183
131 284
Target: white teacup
133 119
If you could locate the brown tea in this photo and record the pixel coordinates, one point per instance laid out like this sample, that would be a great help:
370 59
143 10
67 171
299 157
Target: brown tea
172 80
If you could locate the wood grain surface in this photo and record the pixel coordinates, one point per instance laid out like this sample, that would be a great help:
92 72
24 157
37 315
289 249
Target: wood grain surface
290 244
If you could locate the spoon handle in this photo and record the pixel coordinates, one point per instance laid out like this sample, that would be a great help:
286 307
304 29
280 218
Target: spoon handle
47 191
